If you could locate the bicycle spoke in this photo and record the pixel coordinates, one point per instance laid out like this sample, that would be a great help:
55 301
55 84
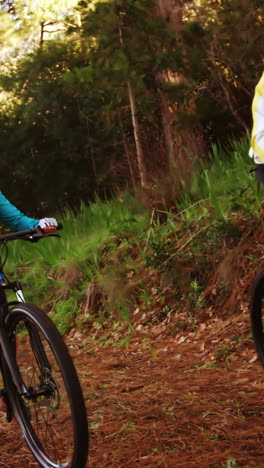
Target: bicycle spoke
50 414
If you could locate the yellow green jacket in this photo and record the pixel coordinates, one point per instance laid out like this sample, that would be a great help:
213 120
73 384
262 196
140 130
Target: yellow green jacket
257 136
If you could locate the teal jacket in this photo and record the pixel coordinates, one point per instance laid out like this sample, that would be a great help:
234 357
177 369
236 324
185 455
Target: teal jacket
13 218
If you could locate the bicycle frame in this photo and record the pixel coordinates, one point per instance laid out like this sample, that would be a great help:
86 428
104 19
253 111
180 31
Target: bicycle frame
6 347
41 389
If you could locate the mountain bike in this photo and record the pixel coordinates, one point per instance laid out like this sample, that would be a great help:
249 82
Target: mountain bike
41 389
257 315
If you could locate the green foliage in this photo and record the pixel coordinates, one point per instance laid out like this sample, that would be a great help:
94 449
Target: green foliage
65 107
87 238
65 313
195 298
84 235
66 135
223 184
115 249
159 252
68 111
48 131
34 22
235 55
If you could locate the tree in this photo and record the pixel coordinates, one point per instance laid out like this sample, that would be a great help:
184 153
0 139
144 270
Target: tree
35 21
131 46
126 95
8 6
177 97
235 54
53 150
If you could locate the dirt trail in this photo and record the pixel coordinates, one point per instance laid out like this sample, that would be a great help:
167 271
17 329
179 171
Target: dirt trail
189 401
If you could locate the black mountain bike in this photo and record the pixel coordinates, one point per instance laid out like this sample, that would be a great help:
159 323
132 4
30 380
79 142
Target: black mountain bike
41 389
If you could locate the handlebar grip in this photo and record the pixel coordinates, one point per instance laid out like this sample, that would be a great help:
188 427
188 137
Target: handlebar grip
48 230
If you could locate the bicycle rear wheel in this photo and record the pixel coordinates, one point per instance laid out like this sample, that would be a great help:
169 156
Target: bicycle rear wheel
52 413
257 315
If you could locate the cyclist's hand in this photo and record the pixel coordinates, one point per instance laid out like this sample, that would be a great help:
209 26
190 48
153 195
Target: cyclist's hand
48 225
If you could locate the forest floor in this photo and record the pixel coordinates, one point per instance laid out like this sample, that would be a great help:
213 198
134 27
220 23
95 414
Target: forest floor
184 401
176 397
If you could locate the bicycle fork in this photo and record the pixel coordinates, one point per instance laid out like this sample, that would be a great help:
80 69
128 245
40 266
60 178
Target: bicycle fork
7 348
6 345
14 286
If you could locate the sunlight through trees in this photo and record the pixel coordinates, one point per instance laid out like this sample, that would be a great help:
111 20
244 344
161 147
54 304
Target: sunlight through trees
121 93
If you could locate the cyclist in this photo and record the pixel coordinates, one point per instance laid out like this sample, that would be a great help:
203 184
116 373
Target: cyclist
257 137
17 221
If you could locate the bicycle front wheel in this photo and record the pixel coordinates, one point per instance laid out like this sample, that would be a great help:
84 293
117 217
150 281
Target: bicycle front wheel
51 413
257 315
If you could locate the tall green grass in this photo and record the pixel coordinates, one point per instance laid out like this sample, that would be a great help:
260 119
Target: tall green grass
83 239
84 234
93 237
223 183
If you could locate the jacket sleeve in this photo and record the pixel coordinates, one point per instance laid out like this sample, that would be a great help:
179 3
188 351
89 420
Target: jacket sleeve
257 137
13 218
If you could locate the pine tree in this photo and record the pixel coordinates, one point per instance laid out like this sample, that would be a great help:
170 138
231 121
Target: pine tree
35 21
130 46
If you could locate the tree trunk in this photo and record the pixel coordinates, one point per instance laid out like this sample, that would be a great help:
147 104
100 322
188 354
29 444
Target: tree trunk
128 155
233 106
41 39
171 11
132 101
182 145
140 155
168 116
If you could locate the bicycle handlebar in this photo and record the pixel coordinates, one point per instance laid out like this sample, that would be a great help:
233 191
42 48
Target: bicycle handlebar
32 235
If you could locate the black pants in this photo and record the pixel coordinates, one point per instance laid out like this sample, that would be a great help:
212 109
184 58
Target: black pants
260 172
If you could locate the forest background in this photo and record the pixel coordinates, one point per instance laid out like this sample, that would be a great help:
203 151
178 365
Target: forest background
101 96
105 105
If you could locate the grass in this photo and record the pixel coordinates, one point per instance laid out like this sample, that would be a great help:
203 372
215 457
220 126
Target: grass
223 185
84 233
120 248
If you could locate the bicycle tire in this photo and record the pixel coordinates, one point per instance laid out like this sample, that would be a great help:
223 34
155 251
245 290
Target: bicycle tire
54 389
3 367
257 315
